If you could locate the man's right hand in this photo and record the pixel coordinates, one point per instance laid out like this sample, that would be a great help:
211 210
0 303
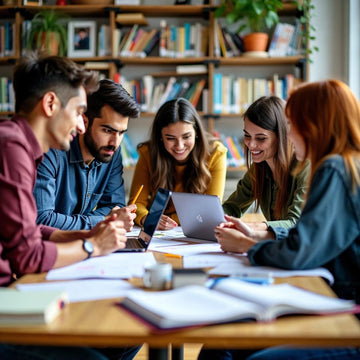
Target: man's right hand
126 214
107 236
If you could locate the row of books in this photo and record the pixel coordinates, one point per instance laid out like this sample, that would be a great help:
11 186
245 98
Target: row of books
232 94
287 40
7 39
226 43
189 40
129 153
135 42
7 97
151 92
235 155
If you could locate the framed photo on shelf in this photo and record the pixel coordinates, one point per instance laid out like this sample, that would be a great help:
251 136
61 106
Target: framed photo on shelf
28 3
81 39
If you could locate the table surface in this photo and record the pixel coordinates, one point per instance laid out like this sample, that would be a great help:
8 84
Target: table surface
103 323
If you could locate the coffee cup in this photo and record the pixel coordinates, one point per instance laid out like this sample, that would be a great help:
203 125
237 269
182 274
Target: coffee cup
158 276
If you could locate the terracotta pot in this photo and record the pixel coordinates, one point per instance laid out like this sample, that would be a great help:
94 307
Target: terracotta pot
51 45
256 41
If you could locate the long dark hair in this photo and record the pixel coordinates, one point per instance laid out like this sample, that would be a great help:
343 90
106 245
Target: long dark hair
268 113
196 176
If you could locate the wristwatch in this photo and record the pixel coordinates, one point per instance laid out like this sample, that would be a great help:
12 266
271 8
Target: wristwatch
88 247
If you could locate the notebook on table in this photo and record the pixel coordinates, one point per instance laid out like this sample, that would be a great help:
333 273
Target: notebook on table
142 241
199 214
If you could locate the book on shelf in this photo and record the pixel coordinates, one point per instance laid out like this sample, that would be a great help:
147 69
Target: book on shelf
229 300
104 41
7 97
125 50
235 155
192 69
140 42
280 42
169 85
220 36
30 307
229 40
127 2
131 19
163 52
129 154
194 99
152 41
217 50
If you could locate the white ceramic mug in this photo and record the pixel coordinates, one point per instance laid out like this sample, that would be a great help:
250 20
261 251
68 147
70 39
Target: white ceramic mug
158 276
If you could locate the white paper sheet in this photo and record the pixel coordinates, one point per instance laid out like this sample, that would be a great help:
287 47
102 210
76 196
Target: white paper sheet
242 268
113 266
85 290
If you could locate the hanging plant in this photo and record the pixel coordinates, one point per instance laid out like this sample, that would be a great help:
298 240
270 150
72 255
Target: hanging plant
306 7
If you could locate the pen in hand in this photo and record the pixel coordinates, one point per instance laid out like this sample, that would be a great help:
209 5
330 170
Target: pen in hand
137 195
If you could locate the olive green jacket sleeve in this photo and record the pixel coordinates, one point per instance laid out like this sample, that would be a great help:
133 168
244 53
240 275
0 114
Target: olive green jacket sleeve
240 200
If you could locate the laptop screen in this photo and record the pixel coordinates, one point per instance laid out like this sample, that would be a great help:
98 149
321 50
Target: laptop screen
153 217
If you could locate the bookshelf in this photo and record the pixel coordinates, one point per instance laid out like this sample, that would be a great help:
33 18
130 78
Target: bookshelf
163 67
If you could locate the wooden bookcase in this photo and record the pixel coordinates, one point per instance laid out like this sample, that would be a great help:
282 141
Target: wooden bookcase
143 66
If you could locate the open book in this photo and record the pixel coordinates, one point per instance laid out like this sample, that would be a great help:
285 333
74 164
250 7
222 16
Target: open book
229 300
30 307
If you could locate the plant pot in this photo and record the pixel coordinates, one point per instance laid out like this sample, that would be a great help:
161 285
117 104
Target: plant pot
49 43
256 41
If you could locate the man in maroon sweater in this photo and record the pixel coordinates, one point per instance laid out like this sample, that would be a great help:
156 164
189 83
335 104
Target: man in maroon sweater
50 98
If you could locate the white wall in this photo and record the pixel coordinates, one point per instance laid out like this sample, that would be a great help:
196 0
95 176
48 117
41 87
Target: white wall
338 40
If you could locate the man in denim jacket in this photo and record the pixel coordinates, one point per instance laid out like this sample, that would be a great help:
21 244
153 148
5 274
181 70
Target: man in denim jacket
83 186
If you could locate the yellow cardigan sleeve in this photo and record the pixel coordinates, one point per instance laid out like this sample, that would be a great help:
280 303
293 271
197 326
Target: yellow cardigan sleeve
142 176
217 168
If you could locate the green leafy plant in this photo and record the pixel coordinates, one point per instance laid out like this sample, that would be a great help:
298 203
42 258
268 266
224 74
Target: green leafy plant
306 8
51 24
257 14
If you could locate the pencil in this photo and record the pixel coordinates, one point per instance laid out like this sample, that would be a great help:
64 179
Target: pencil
137 194
173 255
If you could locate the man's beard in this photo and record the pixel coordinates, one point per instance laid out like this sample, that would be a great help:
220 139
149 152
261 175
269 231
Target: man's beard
96 151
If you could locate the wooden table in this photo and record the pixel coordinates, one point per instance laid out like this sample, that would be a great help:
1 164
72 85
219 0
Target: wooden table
102 323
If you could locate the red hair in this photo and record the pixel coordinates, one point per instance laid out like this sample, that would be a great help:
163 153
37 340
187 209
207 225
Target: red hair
327 115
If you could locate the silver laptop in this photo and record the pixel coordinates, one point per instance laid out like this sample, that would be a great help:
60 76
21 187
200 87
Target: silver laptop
142 241
199 214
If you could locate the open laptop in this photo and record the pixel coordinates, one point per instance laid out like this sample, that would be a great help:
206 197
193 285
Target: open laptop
142 241
199 214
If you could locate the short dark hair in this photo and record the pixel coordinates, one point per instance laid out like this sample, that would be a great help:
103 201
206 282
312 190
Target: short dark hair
113 94
36 74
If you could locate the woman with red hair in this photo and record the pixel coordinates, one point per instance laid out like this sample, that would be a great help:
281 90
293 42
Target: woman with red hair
324 126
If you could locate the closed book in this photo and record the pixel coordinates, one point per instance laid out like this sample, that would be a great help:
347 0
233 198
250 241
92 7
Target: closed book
151 44
229 300
192 69
197 93
30 307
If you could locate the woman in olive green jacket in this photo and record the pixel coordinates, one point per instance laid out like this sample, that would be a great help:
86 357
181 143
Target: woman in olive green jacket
270 180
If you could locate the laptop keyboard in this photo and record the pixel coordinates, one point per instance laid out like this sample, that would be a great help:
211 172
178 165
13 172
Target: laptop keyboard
133 243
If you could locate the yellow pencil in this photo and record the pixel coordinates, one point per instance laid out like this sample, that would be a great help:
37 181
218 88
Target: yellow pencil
137 194
173 255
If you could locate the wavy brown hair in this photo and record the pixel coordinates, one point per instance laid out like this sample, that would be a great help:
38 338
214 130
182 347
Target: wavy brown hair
327 115
267 112
196 176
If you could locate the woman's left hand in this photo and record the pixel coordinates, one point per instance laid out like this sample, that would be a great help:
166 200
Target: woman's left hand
166 223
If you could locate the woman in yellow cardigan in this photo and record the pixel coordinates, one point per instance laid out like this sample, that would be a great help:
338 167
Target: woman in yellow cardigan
180 156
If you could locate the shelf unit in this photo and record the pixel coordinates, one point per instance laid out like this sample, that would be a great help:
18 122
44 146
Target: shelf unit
132 65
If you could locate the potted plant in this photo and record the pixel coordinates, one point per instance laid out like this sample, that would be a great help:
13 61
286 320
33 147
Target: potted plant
256 16
48 32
